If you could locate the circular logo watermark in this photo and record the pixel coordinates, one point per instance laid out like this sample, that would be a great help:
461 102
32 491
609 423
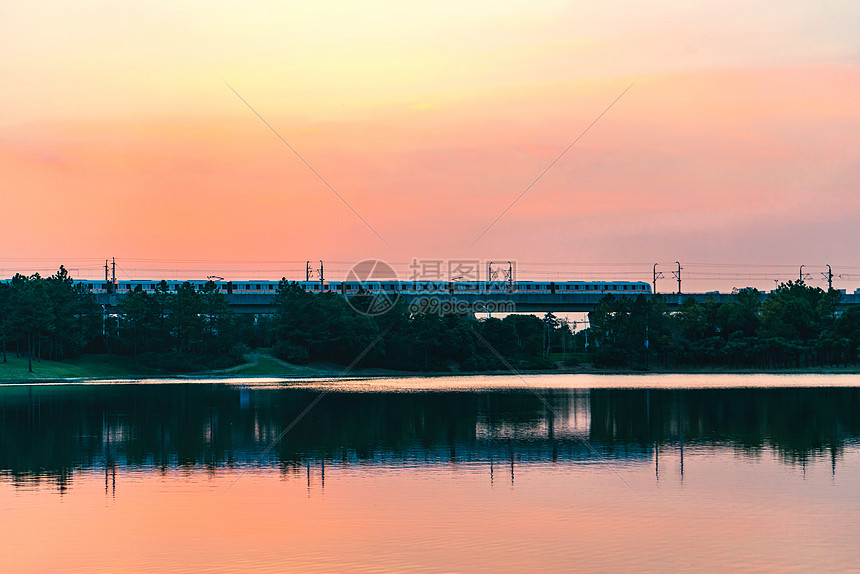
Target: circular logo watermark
372 287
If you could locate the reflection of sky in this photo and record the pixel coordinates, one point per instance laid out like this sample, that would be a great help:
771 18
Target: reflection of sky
556 381
729 512
497 382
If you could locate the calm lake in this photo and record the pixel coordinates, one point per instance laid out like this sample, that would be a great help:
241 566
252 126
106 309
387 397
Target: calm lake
540 473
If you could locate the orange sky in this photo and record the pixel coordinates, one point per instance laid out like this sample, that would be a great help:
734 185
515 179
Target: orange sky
738 143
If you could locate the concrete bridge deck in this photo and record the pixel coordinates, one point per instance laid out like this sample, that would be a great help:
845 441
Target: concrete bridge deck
262 303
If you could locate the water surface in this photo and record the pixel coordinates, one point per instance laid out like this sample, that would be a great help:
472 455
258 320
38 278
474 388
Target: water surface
433 474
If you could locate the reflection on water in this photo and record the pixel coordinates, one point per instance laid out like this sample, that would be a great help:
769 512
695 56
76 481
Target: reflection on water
185 476
49 432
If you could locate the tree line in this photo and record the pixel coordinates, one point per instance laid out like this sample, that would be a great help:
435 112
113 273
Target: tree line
325 327
795 325
191 328
56 318
49 317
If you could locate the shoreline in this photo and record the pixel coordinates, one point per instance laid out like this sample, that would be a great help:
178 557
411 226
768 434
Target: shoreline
262 366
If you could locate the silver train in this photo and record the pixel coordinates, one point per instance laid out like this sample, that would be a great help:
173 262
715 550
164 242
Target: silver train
408 287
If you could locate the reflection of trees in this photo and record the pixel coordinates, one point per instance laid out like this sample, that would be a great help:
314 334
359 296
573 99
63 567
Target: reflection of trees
51 432
794 422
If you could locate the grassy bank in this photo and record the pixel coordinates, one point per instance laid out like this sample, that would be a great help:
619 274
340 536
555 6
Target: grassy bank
85 366
260 363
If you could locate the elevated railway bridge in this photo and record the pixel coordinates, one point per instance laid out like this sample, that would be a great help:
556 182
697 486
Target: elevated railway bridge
464 302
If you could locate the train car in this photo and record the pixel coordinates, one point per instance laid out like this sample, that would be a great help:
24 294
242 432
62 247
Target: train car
428 287
615 287
533 287
466 286
352 288
314 286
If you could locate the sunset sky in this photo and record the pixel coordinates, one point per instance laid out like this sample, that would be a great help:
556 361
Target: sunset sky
738 145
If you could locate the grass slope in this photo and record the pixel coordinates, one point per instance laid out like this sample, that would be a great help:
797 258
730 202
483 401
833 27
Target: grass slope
259 363
86 366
